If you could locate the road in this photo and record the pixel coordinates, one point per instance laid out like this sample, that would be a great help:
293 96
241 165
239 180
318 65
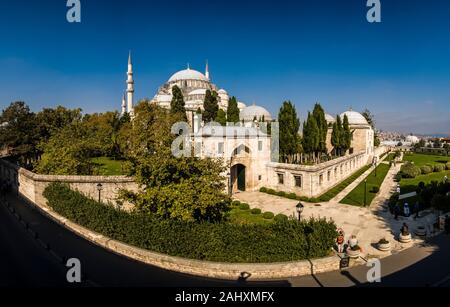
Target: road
27 261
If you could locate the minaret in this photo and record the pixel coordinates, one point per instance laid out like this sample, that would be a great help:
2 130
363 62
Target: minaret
130 87
207 70
124 104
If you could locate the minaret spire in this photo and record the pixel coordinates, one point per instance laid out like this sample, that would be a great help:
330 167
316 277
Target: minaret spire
130 87
124 104
207 70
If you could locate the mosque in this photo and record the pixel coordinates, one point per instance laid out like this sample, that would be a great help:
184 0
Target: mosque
247 150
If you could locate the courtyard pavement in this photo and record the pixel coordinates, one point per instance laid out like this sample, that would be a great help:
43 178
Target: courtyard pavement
369 225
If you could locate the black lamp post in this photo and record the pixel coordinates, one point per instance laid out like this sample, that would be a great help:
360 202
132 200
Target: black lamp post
99 189
365 192
299 209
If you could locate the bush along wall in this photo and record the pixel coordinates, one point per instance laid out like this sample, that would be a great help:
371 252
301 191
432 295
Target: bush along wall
284 240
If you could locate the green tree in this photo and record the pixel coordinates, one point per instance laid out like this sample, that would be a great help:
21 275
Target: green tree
185 188
289 131
346 135
210 106
336 136
233 111
177 105
322 125
19 132
311 136
221 117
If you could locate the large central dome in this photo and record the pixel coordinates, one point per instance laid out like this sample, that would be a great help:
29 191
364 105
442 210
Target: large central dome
188 74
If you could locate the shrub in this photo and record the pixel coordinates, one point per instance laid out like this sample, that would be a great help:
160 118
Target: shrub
398 177
263 190
236 203
426 169
292 196
383 241
244 206
439 168
268 215
375 190
255 211
281 194
219 241
447 166
271 192
281 218
409 170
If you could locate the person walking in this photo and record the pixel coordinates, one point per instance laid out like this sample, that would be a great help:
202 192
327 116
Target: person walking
417 210
396 211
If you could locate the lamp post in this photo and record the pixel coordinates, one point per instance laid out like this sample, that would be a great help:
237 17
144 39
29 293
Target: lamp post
99 189
365 192
299 209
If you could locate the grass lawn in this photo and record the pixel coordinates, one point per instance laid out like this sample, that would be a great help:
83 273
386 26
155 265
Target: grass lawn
242 217
327 196
410 184
421 159
108 167
356 197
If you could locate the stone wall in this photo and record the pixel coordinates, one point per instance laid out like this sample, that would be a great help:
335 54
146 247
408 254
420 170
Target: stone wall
315 179
32 186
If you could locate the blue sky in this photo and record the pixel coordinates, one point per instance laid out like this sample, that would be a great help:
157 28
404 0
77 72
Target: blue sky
260 51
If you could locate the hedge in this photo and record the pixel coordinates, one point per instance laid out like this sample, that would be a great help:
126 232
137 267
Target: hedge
409 170
439 168
426 169
447 166
284 240
268 215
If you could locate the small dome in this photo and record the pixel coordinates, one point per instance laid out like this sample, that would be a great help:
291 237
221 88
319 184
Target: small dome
222 91
249 113
200 91
188 74
354 118
330 119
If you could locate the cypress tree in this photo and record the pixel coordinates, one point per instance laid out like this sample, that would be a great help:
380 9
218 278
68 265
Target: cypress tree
210 106
322 126
289 127
336 135
233 111
347 134
221 117
177 103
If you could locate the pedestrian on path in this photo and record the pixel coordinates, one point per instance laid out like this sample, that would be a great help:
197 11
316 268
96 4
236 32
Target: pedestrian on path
396 211
417 210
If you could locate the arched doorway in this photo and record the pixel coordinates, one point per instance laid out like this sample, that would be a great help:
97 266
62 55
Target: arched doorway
238 178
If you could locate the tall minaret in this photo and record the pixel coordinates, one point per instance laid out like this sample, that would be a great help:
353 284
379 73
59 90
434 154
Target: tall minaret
130 87
124 104
207 70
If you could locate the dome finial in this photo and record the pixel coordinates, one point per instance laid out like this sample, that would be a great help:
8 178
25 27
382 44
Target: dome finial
188 66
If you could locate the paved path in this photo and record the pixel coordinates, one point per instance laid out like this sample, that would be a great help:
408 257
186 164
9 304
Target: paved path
369 225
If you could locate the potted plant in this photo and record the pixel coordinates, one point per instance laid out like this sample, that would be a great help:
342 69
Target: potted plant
354 251
405 236
384 245
421 231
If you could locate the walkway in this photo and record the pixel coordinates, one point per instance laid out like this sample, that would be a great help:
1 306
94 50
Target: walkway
368 224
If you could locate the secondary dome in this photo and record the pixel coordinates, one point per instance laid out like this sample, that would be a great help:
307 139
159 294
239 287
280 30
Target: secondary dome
200 91
330 119
188 74
354 118
249 114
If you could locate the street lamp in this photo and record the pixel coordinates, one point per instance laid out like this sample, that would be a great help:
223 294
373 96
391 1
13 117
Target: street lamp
99 189
365 192
299 209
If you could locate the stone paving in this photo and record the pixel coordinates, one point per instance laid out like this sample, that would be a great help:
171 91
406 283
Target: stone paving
368 224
